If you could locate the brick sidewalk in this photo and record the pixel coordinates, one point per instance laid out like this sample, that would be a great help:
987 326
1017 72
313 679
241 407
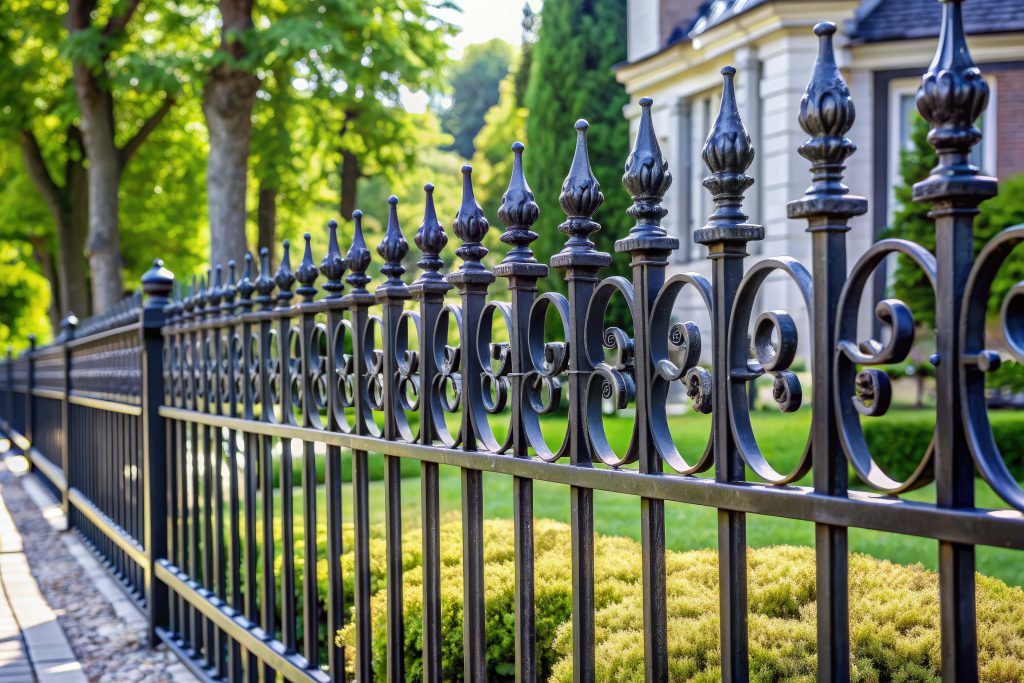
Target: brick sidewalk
33 646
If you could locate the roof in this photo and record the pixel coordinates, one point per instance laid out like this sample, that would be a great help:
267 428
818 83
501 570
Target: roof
885 20
711 13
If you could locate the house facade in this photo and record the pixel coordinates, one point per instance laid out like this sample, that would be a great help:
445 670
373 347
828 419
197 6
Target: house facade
676 49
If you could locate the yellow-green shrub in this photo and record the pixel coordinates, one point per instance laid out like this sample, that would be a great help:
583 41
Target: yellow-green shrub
894 616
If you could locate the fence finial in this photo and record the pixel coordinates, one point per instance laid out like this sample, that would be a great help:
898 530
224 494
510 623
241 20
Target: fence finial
306 272
333 264
264 283
470 226
202 297
156 283
216 288
358 257
580 198
245 285
647 179
518 213
393 247
952 95
430 240
229 290
728 153
189 302
284 277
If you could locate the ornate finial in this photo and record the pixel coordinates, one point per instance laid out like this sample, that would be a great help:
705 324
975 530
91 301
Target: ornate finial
580 197
952 96
827 114
430 240
393 247
728 153
216 288
245 285
306 273
333 264
518 213
470 225
358 257
189 302
647 178
229 290
201 298
284 277
264 283
157 283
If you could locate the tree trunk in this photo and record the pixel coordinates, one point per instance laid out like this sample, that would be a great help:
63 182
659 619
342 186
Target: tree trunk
43 257
266 220
350 174
74 230
228 100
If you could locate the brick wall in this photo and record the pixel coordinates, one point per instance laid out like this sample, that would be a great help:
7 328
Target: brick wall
1010 122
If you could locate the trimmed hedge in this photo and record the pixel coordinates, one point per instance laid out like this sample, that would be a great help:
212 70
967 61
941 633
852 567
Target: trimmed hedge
894 613
898 443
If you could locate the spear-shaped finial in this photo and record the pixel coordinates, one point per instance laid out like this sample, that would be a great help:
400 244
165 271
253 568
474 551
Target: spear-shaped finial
647 179
217 288
264 283
952 96
580 198
245 285
518 213
358 257
306 273
189 303
284 277
393 247
827 114
430 240
728 153
470 226
229 286
202 296
333 264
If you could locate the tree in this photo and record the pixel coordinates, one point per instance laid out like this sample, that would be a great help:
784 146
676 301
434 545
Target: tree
531 27
39 118
911 222
228 98
474 81
579 43
109 68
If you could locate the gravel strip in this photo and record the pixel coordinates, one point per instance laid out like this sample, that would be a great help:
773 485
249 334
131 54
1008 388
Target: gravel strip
108 647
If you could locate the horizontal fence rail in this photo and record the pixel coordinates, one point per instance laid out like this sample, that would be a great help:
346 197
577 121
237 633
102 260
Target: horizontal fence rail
174 428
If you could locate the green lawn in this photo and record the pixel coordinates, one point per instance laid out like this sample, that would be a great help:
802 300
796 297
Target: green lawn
688 526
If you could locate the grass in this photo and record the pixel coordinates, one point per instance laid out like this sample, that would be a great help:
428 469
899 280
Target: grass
688 527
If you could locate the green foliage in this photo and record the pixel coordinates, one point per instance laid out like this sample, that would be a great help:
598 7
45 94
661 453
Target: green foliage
898 445
1007 377
24 297
894 612
579 43
474 82
911 222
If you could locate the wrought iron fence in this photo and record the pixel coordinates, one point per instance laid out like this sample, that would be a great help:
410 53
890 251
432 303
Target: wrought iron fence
161 425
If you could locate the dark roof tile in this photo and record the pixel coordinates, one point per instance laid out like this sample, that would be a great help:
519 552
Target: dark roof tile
908 19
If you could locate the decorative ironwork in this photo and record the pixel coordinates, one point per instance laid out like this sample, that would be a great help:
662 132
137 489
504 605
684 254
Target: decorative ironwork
251 377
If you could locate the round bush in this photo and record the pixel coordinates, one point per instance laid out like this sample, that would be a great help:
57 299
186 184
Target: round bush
894 613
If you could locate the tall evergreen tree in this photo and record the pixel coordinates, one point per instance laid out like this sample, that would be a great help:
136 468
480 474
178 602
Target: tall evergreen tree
579 43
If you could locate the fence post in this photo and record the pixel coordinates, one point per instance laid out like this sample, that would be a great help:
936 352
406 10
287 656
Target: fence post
156 283
30 380
67 328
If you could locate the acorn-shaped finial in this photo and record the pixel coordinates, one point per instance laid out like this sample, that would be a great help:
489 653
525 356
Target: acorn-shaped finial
430 240
580 197
229 290
393 247
358 257
646 178
518 213
470 225
216 292
306 273
284 277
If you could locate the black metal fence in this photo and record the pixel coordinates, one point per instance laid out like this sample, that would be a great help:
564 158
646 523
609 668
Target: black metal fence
161 425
